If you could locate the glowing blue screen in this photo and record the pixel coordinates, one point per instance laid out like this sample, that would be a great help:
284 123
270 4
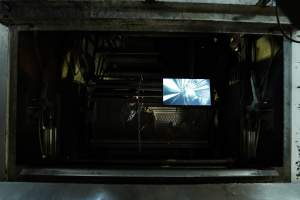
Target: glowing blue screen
186 92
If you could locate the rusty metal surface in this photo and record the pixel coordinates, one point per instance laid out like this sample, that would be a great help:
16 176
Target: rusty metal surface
32 191
140 16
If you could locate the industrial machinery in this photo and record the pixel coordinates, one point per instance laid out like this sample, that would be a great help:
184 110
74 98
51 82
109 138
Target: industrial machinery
96 99
162 91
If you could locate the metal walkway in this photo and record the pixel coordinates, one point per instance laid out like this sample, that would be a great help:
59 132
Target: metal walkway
44 191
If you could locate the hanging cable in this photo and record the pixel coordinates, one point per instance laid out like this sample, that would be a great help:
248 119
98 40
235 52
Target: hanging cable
280 26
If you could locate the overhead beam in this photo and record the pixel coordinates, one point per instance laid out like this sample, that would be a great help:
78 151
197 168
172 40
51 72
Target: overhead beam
139 15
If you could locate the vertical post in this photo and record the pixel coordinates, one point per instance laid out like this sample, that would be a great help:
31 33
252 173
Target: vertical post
287 82
4 96
12 105
295 109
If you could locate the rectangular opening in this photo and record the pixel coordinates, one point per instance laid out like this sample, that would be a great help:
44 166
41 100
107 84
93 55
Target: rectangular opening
96 100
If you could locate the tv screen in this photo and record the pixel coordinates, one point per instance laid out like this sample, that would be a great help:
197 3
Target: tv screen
186 92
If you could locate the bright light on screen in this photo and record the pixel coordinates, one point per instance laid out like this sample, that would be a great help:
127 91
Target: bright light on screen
186 92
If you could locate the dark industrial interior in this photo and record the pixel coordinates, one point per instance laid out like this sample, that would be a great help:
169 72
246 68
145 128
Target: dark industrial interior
149 99
94 100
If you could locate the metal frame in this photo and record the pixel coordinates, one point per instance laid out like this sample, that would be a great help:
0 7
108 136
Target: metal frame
4 85
175 18
287 50
11 167
294 110
47 191
140 16
241 2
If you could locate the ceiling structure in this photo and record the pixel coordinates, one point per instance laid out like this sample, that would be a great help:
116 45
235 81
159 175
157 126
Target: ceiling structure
137 15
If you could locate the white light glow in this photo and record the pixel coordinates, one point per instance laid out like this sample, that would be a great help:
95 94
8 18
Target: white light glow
171 84
186 92
166 97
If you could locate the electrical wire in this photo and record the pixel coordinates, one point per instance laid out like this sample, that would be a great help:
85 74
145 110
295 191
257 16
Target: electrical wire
280 26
